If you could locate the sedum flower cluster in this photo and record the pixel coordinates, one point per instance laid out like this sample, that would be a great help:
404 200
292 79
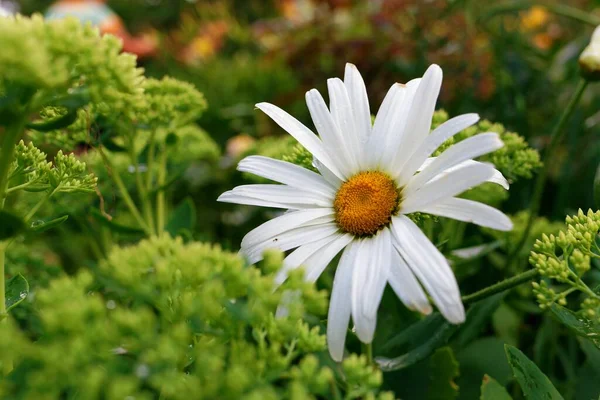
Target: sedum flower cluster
563 259
32 172
178 321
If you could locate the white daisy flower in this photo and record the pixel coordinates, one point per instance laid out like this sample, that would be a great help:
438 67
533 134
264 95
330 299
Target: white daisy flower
371 176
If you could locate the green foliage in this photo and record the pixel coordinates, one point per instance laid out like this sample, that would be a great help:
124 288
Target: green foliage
17 289
182 321
515 160
492 390
63 56
32 172
66 138
534 383
563 259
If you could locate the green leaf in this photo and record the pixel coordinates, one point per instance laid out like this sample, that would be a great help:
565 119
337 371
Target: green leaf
183 218
492 390
42 226
10 225
579 325
434 341
535 385
115 227
477 317
443 370
17 289
57 123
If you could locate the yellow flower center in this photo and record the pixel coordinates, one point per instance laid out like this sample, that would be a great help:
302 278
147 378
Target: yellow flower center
366 203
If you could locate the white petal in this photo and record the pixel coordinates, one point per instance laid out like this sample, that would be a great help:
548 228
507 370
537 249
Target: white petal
287 196
286 173
290 240
395 138
368 282
430 266
497 178
329 176
317 263
301 133
329 131
406 286
384 122
470 211
341 111
299 256
450 185
357 92
283 223
432 142
339 304
467 149
421 112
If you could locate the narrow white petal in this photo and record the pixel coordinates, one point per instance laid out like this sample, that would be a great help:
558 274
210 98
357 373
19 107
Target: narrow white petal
286 173
406 286
316 264
470 211
368 282
421 112
467 149
430 266
329 131
290 240
300 256
329 176
301 133
339 304
384 123
394 143
497 178
284 194
232 197
450 185
342 113
432 142
283 223
357 92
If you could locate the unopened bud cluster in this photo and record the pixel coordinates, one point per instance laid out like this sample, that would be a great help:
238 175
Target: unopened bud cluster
565 258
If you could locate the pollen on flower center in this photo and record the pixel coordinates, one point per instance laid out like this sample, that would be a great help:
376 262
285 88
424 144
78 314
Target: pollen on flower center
366 203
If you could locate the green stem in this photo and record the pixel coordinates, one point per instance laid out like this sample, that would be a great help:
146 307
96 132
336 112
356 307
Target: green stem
500 286
12 133
558 133
368 351
39 204
2 281
160 197
142 189
125 194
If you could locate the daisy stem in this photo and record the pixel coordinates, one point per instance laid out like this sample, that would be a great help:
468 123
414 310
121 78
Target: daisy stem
558 133
368 351
500 286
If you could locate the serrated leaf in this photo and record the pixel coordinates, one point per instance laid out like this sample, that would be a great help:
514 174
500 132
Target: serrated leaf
492 390
183 218
115 227
10 225
42 226
17 289
579 325
534 384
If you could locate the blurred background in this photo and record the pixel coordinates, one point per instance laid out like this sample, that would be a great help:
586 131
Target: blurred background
513 62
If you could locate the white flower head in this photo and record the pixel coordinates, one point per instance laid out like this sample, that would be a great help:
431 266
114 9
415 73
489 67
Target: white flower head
371 176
